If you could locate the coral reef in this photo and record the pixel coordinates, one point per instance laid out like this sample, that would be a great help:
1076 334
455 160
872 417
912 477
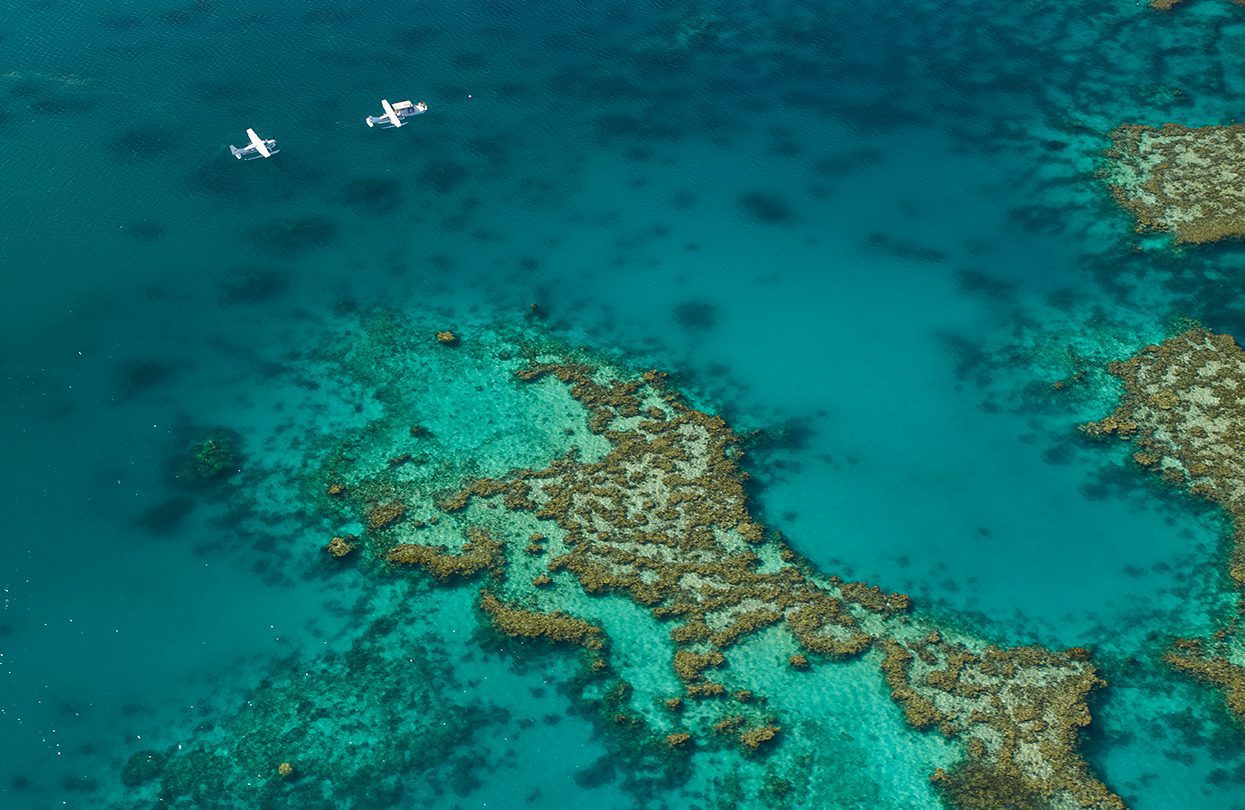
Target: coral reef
1184 412
756 737
1214 666
384 514
678 739
645 501
480 552
331 735
662 517
142 767
1168 5
341 546
1006 705
1185 180
515 621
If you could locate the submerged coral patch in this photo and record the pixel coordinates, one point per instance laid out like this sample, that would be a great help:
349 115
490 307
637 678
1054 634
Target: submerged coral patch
659 516
289 237
765 206
254 285
1184 180
1184 411
213 457
591 516
372 195
142 143
332 736
531 624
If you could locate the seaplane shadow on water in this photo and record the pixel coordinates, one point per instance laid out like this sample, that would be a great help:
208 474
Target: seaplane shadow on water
391 117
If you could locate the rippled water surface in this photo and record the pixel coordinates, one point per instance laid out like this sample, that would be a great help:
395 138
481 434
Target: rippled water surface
871 228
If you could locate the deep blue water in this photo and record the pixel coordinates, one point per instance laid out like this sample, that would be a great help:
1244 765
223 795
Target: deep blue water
877 224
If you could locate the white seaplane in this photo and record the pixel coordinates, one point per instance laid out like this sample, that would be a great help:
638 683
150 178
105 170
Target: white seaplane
257 148
395 115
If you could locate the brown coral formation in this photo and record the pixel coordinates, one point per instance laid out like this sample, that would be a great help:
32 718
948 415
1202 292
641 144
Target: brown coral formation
1184 408
756 737
1018 710
1184 401
1188 181
690 666
384 514
554 626
341 546
658 514
480 552
1213 666
662 518
1168 5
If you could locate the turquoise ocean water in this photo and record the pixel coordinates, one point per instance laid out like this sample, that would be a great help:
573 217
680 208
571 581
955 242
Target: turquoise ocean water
873 228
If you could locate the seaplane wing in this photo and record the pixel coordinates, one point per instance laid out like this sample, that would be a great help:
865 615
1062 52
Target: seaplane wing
389 112
257 143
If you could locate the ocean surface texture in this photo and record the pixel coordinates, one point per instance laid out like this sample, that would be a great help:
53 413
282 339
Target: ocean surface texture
871 247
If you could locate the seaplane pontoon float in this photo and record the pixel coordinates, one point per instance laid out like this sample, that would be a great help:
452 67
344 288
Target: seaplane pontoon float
257 148
395 115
